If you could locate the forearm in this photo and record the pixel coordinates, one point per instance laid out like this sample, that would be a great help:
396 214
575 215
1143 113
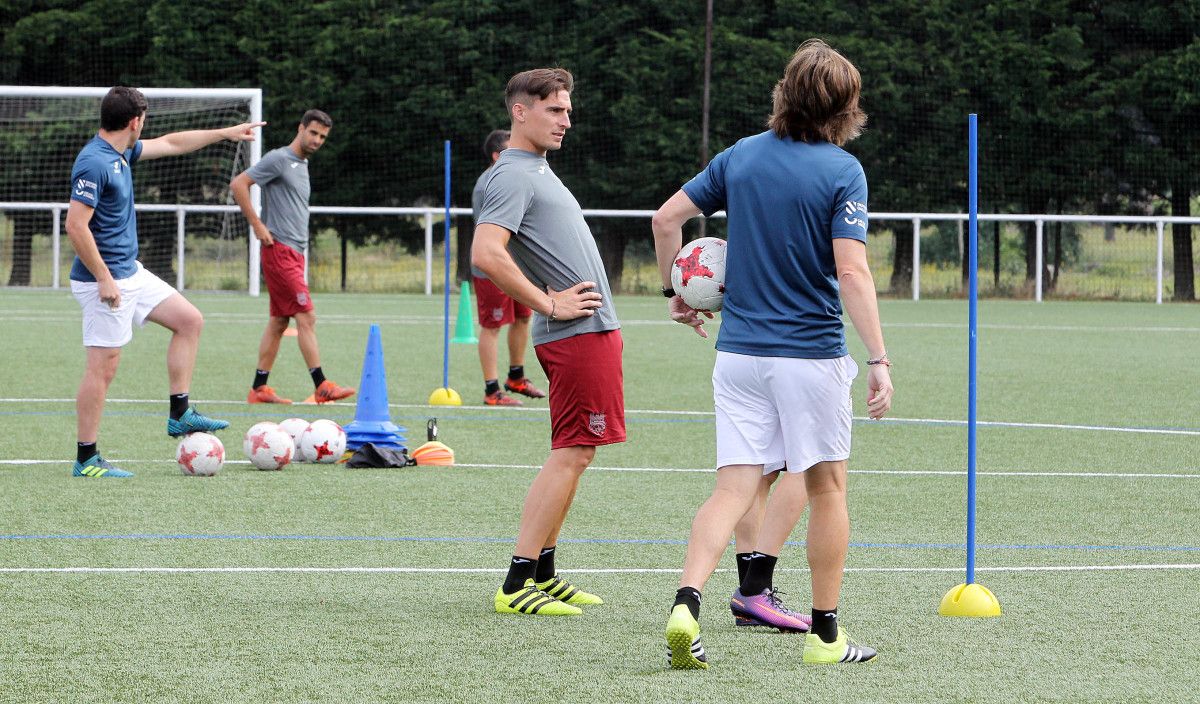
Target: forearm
668 239
241 195
667 225
189 141
858 298
503 271
85 248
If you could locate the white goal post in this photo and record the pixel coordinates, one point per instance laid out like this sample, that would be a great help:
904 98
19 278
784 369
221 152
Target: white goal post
162 100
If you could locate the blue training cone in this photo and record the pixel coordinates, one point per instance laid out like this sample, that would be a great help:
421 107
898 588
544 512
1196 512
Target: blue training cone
372 419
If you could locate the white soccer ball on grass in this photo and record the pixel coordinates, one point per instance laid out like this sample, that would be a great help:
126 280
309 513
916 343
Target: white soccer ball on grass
323 442
200 455
254 429
296 427
270 447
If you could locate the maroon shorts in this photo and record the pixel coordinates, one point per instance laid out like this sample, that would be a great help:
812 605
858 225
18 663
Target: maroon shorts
587 396
283 268
495 307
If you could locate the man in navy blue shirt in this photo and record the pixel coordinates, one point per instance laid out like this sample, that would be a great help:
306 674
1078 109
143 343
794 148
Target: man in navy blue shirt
797 209
112 287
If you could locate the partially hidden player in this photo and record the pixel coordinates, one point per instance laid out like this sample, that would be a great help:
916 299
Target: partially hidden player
797 211
112 287
532 241
282 174
497 309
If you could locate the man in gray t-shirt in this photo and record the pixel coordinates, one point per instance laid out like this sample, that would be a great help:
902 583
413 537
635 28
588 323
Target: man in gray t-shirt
282 174
532 241
497 309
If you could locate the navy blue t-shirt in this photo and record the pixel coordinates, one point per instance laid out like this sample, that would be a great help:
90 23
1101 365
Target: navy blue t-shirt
103 179
786 202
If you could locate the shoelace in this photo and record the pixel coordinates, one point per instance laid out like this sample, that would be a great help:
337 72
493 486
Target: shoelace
773 596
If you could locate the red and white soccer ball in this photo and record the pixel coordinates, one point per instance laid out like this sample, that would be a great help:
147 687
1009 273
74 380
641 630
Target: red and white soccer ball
200 455
296 427
323 442
254 430
270 448
698 273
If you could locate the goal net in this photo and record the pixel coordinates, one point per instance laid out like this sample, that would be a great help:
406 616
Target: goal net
42 130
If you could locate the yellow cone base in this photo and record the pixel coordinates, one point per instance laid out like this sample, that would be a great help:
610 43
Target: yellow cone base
972 600
445 397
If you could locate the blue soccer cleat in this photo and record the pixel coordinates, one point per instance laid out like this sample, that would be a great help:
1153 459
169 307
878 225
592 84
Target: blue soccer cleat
97 467
193 422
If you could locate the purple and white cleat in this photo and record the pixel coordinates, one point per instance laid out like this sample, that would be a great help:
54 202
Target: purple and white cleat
767 609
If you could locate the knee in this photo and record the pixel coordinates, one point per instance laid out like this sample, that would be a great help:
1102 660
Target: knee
578 458
192 323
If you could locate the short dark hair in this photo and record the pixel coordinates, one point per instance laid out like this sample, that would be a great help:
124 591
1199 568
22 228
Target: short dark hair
538 83
495 142
316 116
817 98
120 105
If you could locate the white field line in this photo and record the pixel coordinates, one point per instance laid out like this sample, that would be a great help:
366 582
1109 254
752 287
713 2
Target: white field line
598 570
702 470
648 411
28 315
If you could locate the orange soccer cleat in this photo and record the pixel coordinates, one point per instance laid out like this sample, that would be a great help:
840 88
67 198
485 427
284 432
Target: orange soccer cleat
329 391
524 387
265 394
501 399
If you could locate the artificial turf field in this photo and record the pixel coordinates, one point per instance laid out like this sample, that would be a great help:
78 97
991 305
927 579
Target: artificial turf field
321 583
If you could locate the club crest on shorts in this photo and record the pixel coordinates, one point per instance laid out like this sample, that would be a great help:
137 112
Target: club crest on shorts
497 314
596 424
302 298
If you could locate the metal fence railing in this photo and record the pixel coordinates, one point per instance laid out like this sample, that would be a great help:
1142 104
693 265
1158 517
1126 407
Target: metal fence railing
1142 268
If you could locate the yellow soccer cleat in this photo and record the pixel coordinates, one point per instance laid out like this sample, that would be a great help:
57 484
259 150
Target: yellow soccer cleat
842 650
531 601
566 592
684 650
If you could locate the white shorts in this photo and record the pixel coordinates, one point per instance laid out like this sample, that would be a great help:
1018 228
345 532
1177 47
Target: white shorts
113 327
782 412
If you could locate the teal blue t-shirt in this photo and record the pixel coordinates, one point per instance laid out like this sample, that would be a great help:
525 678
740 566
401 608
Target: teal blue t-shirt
102 178
786 202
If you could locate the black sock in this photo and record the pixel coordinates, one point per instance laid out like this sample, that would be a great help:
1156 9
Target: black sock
521 569
260 378
85 451
743 562
690 598
825 624
759 574
545 566
490 386
516 372
179 405
317 375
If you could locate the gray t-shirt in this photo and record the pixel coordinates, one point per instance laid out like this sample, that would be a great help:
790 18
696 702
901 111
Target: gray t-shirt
476 203
283 178
551 242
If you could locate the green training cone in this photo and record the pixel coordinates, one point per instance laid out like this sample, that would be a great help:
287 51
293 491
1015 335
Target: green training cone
464 327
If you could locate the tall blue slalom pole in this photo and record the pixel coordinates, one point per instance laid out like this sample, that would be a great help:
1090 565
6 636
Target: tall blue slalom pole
971 599
446 396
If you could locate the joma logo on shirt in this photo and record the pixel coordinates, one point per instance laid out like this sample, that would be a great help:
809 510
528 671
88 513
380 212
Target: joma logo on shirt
117 166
